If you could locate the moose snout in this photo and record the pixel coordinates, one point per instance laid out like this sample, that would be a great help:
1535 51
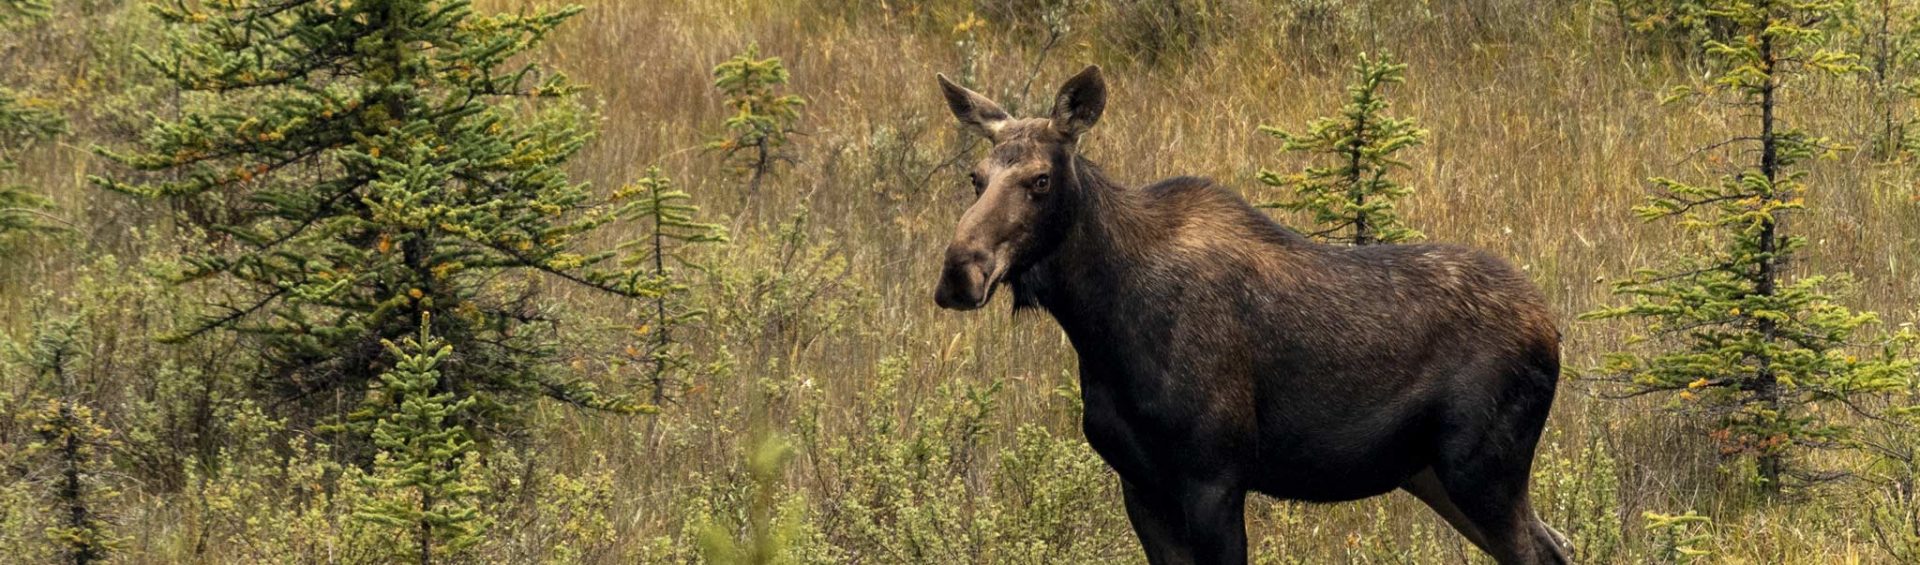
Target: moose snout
964 283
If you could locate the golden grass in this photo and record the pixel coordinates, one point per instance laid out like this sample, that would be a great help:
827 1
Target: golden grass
1545 122
1545 125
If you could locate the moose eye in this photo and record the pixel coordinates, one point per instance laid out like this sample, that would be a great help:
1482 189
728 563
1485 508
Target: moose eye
1040 183
979 183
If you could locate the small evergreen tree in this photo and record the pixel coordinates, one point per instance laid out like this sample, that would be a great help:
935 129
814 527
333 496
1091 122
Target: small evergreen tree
671 231
762 119
1882 33
72 438
1678 536
768 538
1685 21
1734 335
70 441
1352 191
22 123
427 459
375 158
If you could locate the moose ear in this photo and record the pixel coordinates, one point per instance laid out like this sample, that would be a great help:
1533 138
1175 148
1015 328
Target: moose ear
974 111
1080 102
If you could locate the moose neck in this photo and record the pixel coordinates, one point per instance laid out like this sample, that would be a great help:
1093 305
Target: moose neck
1084 280
1125 250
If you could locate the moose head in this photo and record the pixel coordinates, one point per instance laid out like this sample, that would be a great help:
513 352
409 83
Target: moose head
1026 188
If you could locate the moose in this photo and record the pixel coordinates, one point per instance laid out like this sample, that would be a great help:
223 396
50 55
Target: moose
1221 353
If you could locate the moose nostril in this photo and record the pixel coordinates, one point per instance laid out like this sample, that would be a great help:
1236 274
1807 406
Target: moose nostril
961 280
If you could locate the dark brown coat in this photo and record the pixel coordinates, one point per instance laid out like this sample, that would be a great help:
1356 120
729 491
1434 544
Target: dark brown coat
1222 353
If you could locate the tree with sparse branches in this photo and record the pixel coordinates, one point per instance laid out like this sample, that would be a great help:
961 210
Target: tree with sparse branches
1735 334
1884 35
670 233
762 118
1350 197
23 121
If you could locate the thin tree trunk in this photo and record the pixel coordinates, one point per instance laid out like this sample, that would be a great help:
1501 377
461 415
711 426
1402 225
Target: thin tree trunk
426 529
759 167
70 492
1767 383
1354 190
661 338
660 316
1885 136
77 514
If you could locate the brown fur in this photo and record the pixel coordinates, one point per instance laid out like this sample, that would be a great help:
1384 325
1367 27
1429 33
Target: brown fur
1221 353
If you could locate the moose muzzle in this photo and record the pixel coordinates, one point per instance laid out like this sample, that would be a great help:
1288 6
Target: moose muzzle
967 281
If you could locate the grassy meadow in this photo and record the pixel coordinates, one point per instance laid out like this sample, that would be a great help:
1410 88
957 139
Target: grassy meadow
919 435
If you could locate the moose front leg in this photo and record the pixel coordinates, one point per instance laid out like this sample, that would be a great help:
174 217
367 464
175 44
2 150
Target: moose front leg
1158 526
1216 522
1189 524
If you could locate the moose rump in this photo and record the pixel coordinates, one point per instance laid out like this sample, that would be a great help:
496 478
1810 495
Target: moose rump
1221 353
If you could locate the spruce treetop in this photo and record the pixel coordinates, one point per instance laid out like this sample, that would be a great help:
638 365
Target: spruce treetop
762 118
425 456
1350 197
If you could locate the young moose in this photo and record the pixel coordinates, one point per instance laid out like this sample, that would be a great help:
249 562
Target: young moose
1221 353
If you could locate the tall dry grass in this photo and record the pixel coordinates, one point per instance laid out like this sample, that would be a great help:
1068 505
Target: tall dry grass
1545 117
1545 122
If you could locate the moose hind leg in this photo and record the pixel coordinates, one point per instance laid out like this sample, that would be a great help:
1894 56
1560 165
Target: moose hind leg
1425 486
1485 470
1510 531
1559 539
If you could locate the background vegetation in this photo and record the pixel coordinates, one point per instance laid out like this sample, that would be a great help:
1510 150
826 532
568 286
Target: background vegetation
810 404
